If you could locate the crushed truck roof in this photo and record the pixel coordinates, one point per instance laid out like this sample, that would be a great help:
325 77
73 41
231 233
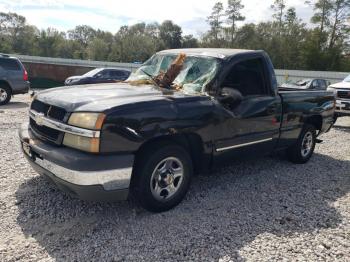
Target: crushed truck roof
212 52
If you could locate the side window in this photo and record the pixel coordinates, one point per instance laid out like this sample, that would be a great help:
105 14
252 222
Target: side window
322 84
315 84
9 64
116 73
104 74
248 78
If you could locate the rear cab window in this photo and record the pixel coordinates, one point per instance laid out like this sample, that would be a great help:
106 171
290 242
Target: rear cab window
10 64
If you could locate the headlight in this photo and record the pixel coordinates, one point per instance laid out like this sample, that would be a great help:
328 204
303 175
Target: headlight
87 120
332 89
82 143
92 121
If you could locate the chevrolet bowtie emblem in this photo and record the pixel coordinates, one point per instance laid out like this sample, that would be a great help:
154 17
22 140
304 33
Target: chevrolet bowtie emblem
39 119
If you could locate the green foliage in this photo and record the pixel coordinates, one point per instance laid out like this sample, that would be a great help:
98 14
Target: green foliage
215 21
170 34
290 42
188 41
233 13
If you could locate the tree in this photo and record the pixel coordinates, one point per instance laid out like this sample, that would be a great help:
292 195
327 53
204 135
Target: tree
170 34
49 42
11 26
290 43
233 13
294 33
322 9
98 50
278 7
82 33
215 21
340 24
188 41
247 37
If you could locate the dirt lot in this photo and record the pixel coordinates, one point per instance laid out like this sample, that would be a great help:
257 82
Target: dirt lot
262 210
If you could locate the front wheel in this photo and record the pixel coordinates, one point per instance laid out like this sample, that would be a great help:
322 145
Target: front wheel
162 177
304 147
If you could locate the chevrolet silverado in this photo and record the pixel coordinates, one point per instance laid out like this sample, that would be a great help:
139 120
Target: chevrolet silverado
140 138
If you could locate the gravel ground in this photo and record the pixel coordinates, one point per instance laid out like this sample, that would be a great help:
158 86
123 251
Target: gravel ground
262 210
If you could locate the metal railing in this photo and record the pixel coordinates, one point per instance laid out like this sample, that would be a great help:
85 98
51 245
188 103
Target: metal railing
74 62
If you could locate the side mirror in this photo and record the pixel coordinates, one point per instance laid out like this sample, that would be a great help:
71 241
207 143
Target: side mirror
98 75
230 96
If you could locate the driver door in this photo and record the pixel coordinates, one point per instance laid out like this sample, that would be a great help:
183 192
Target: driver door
252 126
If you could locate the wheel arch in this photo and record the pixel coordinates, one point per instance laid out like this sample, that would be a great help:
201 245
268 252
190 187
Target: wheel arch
4 82
315 120
191 142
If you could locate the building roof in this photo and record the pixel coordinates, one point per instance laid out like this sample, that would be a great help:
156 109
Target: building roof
213 52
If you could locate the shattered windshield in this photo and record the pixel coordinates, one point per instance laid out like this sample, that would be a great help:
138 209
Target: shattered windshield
347 79
196 71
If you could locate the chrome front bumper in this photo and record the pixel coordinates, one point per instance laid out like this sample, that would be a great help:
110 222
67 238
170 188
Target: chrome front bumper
88 176
109 179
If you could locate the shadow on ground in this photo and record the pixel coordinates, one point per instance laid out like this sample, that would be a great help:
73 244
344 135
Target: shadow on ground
14 105
222 213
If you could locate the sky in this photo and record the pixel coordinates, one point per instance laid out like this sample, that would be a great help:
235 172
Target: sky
111 15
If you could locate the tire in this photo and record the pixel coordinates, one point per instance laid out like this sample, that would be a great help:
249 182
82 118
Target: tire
162 177
5 95
302 150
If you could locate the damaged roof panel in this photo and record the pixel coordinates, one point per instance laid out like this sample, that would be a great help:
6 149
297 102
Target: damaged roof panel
210 52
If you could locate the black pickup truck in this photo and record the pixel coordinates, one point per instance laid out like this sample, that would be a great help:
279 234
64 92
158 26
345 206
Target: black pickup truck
99 142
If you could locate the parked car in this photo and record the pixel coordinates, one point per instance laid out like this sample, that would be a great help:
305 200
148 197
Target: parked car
13 78
342 93
102 141
99 75
310 84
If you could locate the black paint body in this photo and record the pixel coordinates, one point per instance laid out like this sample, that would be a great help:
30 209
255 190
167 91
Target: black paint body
137 115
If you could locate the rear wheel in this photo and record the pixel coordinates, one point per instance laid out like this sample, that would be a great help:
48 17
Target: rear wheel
5 95
162 177
303 149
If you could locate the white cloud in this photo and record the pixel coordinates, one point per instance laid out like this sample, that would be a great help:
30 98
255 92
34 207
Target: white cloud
111 14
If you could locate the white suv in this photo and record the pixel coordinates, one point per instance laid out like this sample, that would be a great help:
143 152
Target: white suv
342 95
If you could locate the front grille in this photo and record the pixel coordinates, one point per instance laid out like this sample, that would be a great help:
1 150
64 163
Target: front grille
46 132
54 112
50 111
39 106
343 94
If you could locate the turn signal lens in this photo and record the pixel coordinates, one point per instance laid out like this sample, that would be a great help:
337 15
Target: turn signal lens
86 144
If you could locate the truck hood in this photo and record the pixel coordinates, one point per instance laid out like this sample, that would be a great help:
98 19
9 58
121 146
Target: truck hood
101 97
345 85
